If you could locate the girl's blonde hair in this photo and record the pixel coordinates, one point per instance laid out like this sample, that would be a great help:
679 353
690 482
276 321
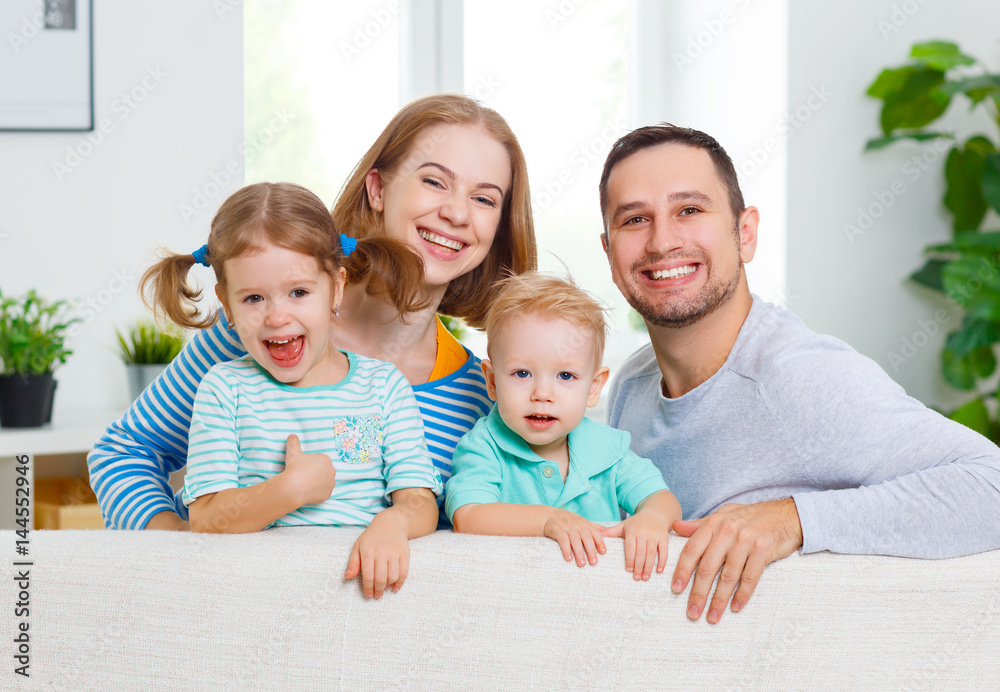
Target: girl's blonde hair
289 216
534 293
513 250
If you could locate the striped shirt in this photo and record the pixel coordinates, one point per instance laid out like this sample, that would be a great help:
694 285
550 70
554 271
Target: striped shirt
130 465
368 424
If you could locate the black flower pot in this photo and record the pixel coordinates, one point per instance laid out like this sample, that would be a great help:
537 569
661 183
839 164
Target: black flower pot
26 400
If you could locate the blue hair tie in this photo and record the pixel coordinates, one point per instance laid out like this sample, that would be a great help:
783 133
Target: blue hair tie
348 244
201 256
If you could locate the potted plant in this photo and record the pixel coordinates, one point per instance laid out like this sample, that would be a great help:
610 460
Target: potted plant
965 269
32 343
146 351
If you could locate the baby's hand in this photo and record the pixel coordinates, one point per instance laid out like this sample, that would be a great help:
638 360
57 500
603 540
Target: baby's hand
313 476
645 534
576 536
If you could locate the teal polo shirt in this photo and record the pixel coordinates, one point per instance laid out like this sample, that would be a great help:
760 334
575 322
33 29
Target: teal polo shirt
493 464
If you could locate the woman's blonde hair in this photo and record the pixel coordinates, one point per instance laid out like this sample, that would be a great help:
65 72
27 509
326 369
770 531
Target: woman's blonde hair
289 216
513 250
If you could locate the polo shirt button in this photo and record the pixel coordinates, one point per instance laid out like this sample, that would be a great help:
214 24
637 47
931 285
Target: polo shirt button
547 472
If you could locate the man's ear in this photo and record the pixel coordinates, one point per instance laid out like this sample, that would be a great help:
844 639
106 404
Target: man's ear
600 379
747 224
374 187
491 380
604 242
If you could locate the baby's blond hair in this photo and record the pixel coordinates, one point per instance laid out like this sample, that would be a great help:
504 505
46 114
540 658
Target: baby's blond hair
535 293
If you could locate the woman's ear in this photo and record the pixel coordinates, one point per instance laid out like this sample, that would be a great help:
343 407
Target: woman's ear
374 188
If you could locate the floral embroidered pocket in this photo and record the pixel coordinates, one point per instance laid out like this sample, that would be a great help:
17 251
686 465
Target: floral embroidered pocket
358 439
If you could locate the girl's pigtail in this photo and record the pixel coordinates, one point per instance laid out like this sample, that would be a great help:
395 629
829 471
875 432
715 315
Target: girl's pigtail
390 270
164 289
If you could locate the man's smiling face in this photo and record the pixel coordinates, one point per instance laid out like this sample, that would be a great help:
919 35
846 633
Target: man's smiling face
675 249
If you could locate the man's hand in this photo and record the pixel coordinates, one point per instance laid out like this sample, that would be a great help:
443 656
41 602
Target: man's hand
739 540
575 535
313 476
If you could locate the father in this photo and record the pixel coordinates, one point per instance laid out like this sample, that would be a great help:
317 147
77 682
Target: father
736 401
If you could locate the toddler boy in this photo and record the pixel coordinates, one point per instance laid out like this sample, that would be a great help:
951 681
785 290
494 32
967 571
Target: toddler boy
535 466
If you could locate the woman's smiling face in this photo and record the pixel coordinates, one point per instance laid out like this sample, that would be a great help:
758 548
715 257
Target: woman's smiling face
445 200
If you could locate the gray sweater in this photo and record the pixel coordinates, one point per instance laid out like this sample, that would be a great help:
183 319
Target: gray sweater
794 413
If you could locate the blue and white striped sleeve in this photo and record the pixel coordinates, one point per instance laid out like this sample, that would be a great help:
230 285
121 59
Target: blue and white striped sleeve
407 463
131 463
213 450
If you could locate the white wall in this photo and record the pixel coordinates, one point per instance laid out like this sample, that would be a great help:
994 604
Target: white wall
854 288
168 88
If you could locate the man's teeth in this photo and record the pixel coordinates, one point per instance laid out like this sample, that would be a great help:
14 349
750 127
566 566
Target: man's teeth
441 240
672 273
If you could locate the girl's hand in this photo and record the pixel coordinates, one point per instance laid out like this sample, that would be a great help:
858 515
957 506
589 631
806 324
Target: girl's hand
381 555
312 477
575 535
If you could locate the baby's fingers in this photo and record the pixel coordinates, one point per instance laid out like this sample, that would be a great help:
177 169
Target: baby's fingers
567 550
578 550
662 545
640 559
629 553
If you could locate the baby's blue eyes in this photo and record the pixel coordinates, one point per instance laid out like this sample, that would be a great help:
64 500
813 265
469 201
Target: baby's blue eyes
565 376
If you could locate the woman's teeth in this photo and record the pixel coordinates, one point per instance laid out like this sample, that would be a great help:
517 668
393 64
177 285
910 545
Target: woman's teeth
672 273
441 240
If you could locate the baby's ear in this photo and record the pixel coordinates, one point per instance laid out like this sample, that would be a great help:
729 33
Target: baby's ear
491 380
600 379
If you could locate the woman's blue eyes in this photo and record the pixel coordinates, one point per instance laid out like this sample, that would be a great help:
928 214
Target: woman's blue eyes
479 198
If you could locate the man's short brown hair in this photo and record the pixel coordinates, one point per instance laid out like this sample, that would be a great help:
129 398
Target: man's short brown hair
665 133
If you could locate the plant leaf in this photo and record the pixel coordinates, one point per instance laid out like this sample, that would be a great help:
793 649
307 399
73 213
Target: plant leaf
976 88
973 415
973 283
957 370
963 172
889 81
940 55
879 142
916 103
985 242
931 274
991 180
973 334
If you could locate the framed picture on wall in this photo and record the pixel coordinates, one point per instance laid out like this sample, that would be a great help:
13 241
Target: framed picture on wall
47 65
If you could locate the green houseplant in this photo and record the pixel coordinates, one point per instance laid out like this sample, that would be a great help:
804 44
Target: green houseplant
33 334
965 269
146 351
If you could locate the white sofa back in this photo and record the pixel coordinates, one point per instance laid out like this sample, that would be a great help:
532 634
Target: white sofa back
270 611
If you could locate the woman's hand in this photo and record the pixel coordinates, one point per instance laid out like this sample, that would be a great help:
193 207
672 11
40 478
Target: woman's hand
311 477
575 535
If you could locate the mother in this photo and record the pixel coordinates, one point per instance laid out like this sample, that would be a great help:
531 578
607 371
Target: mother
448 177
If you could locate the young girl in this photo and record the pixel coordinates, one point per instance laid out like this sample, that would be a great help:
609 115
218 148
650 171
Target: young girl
297 432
